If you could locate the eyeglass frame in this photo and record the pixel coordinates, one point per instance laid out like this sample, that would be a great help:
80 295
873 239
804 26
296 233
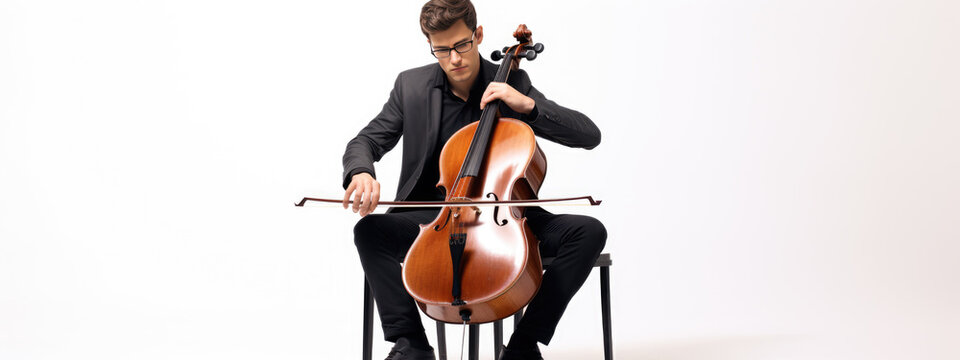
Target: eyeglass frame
454 48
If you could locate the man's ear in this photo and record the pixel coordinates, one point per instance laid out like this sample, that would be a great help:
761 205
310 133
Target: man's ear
479 34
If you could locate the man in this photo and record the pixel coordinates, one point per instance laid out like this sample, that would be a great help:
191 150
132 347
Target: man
426 106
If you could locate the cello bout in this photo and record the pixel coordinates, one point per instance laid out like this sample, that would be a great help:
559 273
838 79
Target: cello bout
500 267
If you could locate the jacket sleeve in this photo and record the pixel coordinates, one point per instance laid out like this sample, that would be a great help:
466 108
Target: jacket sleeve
556 123
375 139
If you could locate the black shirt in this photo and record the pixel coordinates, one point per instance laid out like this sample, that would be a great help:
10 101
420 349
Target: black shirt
454 114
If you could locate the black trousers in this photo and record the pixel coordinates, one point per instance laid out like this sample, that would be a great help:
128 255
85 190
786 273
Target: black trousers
383 240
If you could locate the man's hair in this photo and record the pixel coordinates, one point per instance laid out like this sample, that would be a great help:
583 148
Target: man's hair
440 15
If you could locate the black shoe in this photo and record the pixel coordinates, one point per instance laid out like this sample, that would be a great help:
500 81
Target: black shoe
507 354
403 351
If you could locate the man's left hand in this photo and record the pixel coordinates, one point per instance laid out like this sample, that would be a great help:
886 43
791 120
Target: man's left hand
511 97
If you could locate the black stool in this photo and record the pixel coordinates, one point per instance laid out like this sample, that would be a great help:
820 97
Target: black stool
603 262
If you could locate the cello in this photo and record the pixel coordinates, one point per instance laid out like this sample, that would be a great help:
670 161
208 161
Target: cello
470 265
467 265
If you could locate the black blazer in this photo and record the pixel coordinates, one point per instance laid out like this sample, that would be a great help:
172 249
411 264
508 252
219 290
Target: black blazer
413 110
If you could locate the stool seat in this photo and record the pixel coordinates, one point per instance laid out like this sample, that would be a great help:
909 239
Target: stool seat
603 262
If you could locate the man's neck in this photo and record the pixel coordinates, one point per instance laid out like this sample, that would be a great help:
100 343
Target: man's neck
462 90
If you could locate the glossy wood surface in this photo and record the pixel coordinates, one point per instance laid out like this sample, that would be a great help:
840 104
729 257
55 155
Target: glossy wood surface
501 267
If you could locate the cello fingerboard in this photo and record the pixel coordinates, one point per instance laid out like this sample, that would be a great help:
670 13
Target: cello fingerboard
481 139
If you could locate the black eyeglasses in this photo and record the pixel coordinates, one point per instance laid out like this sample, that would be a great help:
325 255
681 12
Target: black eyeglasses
459 48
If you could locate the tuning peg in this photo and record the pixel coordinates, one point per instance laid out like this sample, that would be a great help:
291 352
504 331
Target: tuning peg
530 55
538 47
496 55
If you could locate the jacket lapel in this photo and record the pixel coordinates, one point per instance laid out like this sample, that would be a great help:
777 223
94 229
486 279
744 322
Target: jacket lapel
433 123
431 130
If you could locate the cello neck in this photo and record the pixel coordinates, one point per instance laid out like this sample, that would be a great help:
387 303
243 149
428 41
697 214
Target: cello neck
488 118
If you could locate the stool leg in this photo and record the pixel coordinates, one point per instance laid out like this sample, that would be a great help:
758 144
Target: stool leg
442 340
367 321
605 308
497 338
474 342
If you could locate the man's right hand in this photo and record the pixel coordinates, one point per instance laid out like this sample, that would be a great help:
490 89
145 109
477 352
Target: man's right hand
367 193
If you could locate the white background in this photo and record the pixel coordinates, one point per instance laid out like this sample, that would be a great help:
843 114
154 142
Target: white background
779 178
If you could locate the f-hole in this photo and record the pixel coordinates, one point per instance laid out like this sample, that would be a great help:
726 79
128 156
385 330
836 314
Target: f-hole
445 221
496 210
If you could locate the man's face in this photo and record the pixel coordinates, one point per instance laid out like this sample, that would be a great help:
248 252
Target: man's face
459 68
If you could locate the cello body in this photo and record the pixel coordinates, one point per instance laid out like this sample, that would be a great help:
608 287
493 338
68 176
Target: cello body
500 267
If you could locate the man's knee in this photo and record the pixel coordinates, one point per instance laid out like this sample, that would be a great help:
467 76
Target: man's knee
367 231
594 233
